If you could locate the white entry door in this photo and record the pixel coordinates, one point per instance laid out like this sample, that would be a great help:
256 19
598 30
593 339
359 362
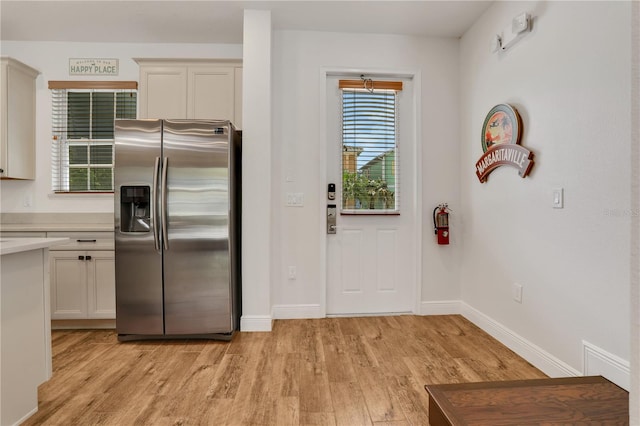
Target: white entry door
371 260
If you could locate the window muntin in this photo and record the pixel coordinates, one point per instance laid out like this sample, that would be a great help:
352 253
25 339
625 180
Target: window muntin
370 183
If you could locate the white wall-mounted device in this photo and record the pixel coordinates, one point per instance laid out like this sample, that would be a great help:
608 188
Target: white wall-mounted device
558 198
512 33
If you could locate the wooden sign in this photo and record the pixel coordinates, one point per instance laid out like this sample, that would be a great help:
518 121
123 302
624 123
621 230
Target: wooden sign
93 66
501 134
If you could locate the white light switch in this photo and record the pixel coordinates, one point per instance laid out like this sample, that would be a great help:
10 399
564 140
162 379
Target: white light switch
517 292
558 198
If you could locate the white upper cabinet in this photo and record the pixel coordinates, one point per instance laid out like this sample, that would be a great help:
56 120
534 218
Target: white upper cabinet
196 89
163 92
17 120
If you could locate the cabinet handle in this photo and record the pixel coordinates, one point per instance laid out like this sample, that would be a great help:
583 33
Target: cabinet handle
80 257
86 241
88 257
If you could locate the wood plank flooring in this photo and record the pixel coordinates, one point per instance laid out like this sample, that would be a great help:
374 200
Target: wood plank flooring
331 371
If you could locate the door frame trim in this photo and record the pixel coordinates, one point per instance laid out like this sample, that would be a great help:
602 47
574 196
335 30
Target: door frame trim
416 77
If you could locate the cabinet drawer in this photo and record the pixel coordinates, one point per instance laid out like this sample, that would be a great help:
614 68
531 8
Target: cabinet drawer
84 240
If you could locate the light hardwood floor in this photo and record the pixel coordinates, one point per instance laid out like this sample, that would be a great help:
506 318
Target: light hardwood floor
332 371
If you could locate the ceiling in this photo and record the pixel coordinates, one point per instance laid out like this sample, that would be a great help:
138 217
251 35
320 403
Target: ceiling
221 21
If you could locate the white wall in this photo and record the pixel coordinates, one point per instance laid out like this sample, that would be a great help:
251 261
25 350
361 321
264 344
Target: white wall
299 60
634 397
52 60
570 80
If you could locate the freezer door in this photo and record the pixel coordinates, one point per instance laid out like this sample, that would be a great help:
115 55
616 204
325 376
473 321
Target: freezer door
139 308
197 291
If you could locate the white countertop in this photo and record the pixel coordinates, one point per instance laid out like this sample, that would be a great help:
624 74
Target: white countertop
58 222
56 227
17 245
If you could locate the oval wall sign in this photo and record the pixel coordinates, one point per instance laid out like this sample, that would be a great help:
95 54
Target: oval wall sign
501 132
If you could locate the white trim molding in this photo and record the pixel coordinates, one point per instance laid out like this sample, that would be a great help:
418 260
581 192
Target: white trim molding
598 362
297 311
537 356
441 307
26 416
256 323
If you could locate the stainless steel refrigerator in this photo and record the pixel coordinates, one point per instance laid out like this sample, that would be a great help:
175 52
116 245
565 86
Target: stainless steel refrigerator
177 228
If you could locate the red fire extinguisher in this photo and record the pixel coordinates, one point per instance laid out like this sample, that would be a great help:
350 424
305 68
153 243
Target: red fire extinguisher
441 223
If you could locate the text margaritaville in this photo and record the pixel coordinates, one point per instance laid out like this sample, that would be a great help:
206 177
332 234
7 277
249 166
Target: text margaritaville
499 155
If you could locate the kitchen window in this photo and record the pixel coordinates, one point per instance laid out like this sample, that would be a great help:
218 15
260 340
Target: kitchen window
370 172
83 114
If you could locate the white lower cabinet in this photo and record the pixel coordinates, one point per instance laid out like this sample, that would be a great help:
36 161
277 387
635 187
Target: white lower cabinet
83 281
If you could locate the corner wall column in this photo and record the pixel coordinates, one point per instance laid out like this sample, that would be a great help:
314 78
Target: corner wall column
256 168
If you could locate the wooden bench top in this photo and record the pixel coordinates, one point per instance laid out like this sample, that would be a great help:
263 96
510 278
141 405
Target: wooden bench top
591 399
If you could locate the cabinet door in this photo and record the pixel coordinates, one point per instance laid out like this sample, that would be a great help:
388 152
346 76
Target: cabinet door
210 93
163 92
101 284
17 120
68 284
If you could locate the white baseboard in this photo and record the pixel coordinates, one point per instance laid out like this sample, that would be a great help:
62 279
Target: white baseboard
86 324
255 323
598 362
296 311
441 307
26 416
537 356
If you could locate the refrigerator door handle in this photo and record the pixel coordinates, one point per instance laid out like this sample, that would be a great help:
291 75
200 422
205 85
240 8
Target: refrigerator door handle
154 203
163 184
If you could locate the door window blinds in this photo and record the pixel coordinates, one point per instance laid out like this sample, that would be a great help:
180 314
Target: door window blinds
370 167
83 114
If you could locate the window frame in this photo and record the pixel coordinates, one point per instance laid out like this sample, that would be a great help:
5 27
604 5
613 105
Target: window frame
368 85
62 166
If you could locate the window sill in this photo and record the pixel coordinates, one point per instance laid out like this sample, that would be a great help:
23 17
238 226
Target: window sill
97 195
370 212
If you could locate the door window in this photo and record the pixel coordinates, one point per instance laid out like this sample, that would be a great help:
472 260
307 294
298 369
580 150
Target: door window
370 183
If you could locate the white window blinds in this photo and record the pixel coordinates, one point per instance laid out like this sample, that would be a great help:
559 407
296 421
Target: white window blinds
370 178
83 115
